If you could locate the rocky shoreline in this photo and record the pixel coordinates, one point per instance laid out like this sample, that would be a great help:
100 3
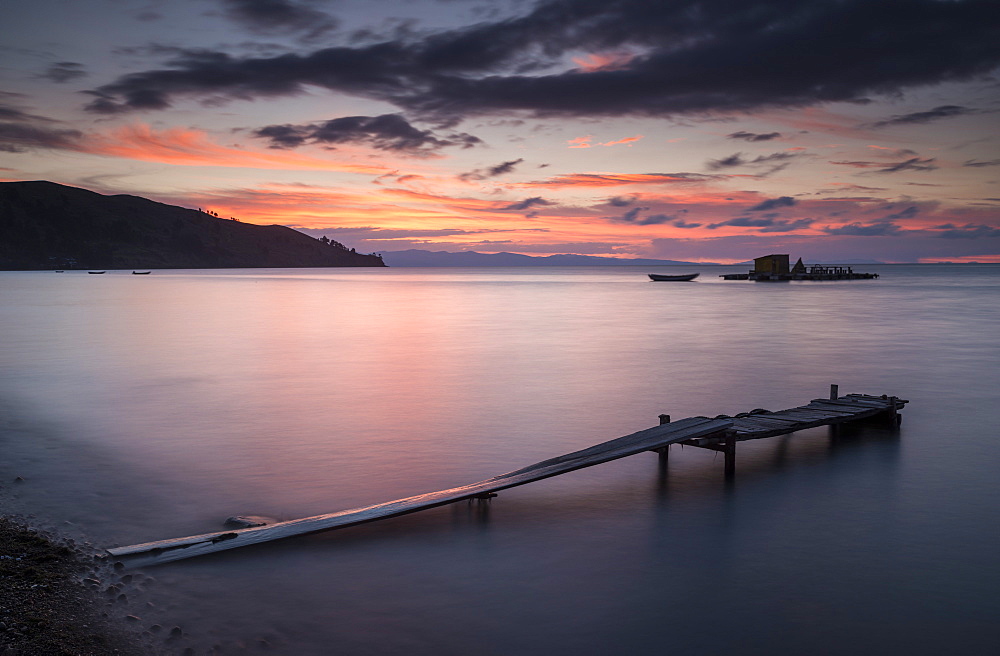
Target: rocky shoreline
58 600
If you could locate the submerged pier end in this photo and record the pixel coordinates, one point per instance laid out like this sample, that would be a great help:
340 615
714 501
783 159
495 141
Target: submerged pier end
720 433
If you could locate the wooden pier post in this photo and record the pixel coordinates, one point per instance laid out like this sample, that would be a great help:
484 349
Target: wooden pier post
834 392
894 419
665 451
729 449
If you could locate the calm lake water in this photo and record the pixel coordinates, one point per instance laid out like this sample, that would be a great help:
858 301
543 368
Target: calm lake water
146 407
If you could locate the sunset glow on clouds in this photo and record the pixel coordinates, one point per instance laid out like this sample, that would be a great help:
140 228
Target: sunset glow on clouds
186 147
514 133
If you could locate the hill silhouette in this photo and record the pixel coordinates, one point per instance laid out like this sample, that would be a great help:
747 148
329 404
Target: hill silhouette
44 225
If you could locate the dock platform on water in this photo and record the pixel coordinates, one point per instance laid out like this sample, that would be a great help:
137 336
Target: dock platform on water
720 433
774 268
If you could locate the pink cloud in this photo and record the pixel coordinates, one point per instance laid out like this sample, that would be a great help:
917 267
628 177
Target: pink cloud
626 140
185 147
620 179
606 61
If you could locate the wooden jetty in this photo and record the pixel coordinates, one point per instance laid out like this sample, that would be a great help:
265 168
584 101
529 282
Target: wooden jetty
720 433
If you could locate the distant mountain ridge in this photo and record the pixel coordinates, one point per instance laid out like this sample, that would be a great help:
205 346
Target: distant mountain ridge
421 258
44 225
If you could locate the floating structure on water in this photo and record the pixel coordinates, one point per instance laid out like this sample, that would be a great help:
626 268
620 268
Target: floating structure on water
774 268
720 433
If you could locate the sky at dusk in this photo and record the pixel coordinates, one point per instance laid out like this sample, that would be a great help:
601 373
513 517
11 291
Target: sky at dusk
704 130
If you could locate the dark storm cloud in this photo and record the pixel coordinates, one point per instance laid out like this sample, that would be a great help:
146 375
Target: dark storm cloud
694 56
773 203
968 231
21 131
975 164
622 201
775 161
503 167
491 172
10 113
279 17
21 137
385 132
633 216
876 229
527 203
907 213
912 164
944 111
736 159
64 72
750 136
788 226
765 223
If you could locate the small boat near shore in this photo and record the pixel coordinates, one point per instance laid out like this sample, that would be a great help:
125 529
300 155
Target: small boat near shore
659 277
140 273
95 272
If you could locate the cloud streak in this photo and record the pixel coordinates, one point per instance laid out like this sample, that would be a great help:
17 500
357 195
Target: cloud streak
622 179
936 114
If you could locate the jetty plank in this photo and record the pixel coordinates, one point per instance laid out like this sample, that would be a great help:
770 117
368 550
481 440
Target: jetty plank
843 408
646 440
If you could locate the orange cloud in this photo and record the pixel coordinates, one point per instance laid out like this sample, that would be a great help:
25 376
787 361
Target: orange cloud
606 61
962 259
193 148
620 179
626 140
317 207
580 142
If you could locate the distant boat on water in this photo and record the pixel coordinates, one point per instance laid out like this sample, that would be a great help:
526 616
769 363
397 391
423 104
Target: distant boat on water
140 273
95 272
659 277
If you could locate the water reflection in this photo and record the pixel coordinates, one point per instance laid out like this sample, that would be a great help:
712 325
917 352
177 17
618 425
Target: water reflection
153 407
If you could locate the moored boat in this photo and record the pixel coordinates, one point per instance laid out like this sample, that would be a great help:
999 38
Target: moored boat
140 273
95 272
659 277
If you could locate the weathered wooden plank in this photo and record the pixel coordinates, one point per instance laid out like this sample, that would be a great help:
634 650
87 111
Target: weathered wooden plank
883 398
820 415
776 417
846 408
804 416
743 436
814 410
856 402
659 436
762 422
